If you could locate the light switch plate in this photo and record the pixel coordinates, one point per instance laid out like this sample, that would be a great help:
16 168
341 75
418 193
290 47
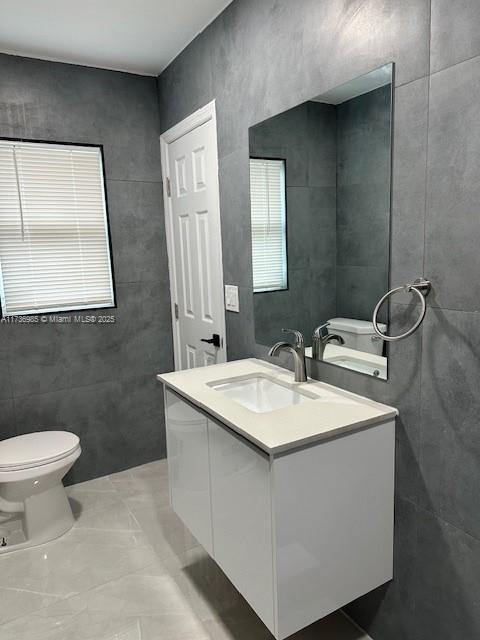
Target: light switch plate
231 298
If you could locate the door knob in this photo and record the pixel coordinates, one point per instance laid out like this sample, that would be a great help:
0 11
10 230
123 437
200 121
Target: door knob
215 340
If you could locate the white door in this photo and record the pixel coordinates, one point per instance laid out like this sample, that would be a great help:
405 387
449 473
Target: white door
190 168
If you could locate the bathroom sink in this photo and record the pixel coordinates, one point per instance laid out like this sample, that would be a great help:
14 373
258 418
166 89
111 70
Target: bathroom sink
261 394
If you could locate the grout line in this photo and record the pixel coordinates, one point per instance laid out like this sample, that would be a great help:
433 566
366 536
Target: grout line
422 333
455 64
136 181
38 593
106 492
128 474
434 307
444 520
86 386
437 71
159 115
34 611
475 312
122 282
427 143
422 77
120 530
127 507
12 396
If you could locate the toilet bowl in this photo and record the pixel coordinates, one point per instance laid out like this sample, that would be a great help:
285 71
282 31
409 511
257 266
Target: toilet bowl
32 467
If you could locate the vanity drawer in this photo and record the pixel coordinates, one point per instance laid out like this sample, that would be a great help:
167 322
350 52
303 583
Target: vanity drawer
241 515
188 467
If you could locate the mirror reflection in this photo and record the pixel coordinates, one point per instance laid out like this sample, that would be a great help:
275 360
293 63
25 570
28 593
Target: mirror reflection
320 176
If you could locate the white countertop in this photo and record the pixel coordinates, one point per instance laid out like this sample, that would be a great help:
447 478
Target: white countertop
333 412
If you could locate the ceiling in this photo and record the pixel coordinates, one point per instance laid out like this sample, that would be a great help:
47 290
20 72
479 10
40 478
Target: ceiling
139 36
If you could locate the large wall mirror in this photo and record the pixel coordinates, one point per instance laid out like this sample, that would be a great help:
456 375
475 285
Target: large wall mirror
320 183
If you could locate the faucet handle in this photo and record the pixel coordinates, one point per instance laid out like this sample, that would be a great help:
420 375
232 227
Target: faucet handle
299 341
318 332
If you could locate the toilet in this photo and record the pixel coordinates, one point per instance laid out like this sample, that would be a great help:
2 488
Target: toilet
32 467
358 334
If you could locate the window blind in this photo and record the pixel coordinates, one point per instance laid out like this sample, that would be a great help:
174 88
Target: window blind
54 244
269 243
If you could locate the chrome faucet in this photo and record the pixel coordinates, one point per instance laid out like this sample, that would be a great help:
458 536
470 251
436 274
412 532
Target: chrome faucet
321 338
298 352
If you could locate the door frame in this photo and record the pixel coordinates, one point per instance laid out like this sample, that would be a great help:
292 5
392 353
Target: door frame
191 122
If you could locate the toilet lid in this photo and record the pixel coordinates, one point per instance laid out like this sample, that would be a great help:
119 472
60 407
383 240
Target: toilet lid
37 448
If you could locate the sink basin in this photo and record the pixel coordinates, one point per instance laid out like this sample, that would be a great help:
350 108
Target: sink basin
261 394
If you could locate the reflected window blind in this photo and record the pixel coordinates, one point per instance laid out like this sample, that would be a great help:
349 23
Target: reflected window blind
269 244
54 244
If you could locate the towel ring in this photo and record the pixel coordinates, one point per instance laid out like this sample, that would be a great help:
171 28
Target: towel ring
421 288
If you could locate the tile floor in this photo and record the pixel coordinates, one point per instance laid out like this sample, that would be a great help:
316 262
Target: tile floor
129 570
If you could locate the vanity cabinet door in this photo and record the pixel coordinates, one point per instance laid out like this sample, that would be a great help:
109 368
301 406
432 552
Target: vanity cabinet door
188 467
241 515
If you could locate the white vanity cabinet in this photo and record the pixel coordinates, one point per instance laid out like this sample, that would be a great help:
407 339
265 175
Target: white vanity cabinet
299 533
241 517
189 467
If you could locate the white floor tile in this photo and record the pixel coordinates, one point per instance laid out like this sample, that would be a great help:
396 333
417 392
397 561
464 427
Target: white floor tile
16 603
135 606
85 499
78 561
164 530
114 517
137 490
103 484
129 570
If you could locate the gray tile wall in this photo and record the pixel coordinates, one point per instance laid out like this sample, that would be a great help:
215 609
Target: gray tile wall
259 58
305 137
97 381
363 202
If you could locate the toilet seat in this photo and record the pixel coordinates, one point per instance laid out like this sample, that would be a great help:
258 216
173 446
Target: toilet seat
36 449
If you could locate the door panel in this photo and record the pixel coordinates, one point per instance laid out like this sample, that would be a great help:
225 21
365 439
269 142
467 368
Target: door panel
196 241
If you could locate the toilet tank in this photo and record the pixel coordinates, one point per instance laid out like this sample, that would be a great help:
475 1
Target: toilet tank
358 334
